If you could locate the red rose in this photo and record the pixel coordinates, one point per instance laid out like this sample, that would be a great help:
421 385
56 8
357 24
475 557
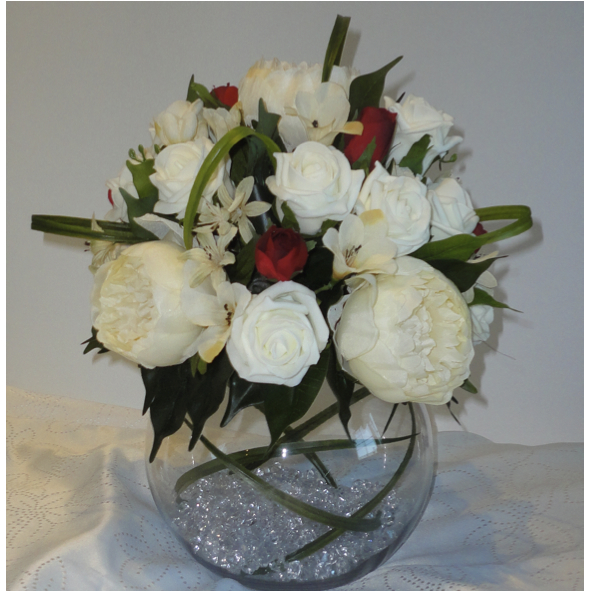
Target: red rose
378 124
226 94
279 253
479 230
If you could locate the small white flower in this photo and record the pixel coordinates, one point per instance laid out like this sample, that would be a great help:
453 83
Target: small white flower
481 314
215 312
361 245
123 181
209 259
103 251
221 121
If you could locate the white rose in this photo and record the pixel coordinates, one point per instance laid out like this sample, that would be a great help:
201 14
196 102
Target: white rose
278 84
406 337
415 118
176 169
278 336
136 306
452 209
123 181
317 183
180 122
403 200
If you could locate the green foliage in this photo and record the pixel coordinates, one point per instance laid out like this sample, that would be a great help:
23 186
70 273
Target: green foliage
289 218
241 271
141 172
82 228
469 387
463 275
136 208
482 298
364 161
334 51
93 343
416 155
342 387
318 269
174 392
198 91
367 90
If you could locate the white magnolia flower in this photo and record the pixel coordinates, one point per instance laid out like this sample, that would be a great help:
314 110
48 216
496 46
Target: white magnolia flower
136 306
415 117
361 245
278 336
481 314
404 202
233 211
278 84
210 258
181 122
221 121
123 181
317 183
320 116
407 336
215 312
176 169
452 209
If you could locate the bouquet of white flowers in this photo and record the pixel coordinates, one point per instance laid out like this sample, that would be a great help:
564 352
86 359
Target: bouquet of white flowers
286 232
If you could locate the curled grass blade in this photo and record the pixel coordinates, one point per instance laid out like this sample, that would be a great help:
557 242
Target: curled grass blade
303 509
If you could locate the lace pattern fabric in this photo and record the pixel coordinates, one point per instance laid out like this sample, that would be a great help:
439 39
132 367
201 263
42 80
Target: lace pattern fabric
80 514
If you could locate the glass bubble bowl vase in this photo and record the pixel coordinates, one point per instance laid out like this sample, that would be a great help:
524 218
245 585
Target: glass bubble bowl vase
322 511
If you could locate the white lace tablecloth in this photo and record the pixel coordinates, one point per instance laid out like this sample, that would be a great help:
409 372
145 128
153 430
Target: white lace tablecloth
80 515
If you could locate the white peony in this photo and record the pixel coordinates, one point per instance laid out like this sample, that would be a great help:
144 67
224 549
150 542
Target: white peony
415 117
452 209
176 168
317 183
136 306
278 84
181 122
406 337
278 336
403 200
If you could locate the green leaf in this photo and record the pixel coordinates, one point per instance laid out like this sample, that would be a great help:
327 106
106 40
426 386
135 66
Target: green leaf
463 246
241 271
317 271
469 387
367 90
199 91
342 387
289 502
334 51
416 155
136 208
364 161
242 394
331 535
258 454
173 392
289 218
82 228
284 406
221 148
141 172
208 393
482 298
93 343
463 275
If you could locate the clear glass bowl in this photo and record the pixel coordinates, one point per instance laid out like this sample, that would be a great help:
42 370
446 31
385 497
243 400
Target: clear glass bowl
237 531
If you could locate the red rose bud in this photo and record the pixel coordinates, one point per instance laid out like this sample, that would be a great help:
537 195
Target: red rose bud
279 253
378 124
228 95
479 230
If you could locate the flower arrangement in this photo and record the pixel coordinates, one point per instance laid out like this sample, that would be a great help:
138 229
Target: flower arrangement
285 232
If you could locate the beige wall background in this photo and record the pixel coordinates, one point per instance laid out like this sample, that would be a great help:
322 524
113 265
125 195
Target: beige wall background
84 80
